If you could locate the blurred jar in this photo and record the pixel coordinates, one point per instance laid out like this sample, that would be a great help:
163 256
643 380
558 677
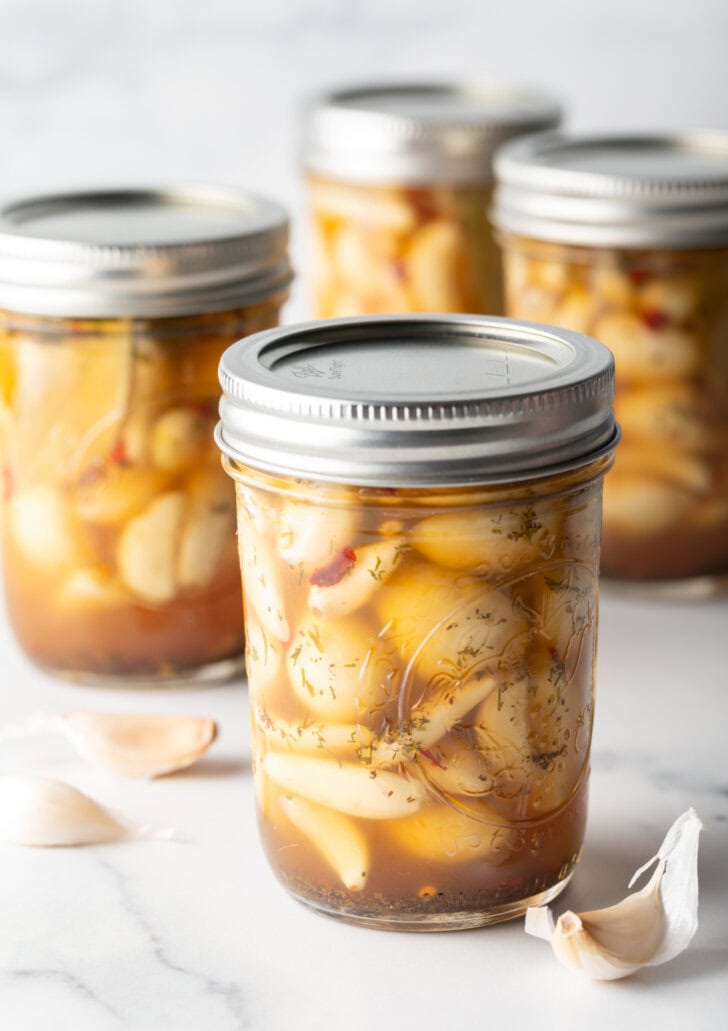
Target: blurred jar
420 562
400 180
626 238
119 556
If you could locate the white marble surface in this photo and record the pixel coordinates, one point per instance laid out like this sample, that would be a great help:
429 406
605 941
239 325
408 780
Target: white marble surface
166 937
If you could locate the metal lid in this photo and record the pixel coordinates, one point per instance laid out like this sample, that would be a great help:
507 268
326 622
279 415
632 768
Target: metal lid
616 191
416 400
418 132
141 252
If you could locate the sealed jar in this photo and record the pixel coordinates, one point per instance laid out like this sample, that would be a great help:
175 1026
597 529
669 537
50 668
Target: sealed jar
399 183
626 238
420 556
118 528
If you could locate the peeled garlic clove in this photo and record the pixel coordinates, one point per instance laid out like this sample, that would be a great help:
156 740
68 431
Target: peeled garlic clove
646 928
338 839
139 744
45 813
43 530
263 589
372 566
147 552
433 719
348 788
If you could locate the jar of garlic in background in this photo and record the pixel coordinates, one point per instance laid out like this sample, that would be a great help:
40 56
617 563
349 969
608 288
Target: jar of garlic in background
626 238
399 181
420 560
119 555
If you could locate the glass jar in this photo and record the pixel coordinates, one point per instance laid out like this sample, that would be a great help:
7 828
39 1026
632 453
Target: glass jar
420 564
400 180
118 529
627 239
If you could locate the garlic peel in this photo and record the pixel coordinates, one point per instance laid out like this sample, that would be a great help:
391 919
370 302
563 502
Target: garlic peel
648 927
44 813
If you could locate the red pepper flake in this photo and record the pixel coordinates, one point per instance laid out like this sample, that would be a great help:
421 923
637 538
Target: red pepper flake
655 319
205 409
118 454
433 758
638 276
7 483
335 570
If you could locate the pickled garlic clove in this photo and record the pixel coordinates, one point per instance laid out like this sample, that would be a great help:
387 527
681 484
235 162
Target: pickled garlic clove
349 741
139 744
263 658
339 840
334 668
44 813
372 566
115 493
308 535
442 834
611 286
382 208
253 513
345 787
54 437
43 530
262 586
666 463
672 413
431 720
645 355
177 438
147 552
448 628
669 300
91 588
492 542
575 311
434 266
640 506
208 533
647 928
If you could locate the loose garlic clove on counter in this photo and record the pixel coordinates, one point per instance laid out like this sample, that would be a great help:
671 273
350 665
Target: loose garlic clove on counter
646 928
128 744
44 813
139 744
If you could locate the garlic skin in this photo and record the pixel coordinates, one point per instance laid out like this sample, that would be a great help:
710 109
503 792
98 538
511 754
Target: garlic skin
647 928
44 813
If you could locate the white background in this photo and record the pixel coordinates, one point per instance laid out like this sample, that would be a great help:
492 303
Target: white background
112 91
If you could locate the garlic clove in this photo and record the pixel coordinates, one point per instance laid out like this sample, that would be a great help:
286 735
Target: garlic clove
139 744
337 838
646 928
345 787
44 813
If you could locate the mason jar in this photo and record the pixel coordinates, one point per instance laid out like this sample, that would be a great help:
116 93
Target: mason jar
399 180
118 529
420 555
626 238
